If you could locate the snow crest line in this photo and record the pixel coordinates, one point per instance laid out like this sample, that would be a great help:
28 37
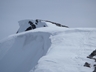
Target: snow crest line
50 49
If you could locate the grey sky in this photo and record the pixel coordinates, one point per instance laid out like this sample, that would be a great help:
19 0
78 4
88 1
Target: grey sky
73 13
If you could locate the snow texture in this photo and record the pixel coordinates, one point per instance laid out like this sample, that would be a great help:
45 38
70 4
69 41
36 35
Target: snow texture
68 52
50 49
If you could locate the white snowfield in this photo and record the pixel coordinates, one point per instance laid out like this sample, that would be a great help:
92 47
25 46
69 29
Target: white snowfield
50 49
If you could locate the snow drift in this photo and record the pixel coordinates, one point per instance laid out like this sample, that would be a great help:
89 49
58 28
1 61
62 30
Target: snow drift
50 49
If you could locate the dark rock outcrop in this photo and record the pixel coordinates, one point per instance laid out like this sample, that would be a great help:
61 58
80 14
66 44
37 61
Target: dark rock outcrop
33 24
92 54
87 64
57 24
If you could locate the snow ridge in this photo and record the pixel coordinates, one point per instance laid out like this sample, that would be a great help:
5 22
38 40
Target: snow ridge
26 25
50 49
68 52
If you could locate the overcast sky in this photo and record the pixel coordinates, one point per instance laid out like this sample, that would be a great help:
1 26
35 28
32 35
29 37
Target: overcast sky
73 13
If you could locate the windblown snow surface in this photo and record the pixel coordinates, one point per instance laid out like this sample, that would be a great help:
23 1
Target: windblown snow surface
50 49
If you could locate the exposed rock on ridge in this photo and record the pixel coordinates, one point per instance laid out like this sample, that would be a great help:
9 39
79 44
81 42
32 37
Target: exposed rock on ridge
26 25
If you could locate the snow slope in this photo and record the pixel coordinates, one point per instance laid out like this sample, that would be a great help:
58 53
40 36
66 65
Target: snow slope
50 49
